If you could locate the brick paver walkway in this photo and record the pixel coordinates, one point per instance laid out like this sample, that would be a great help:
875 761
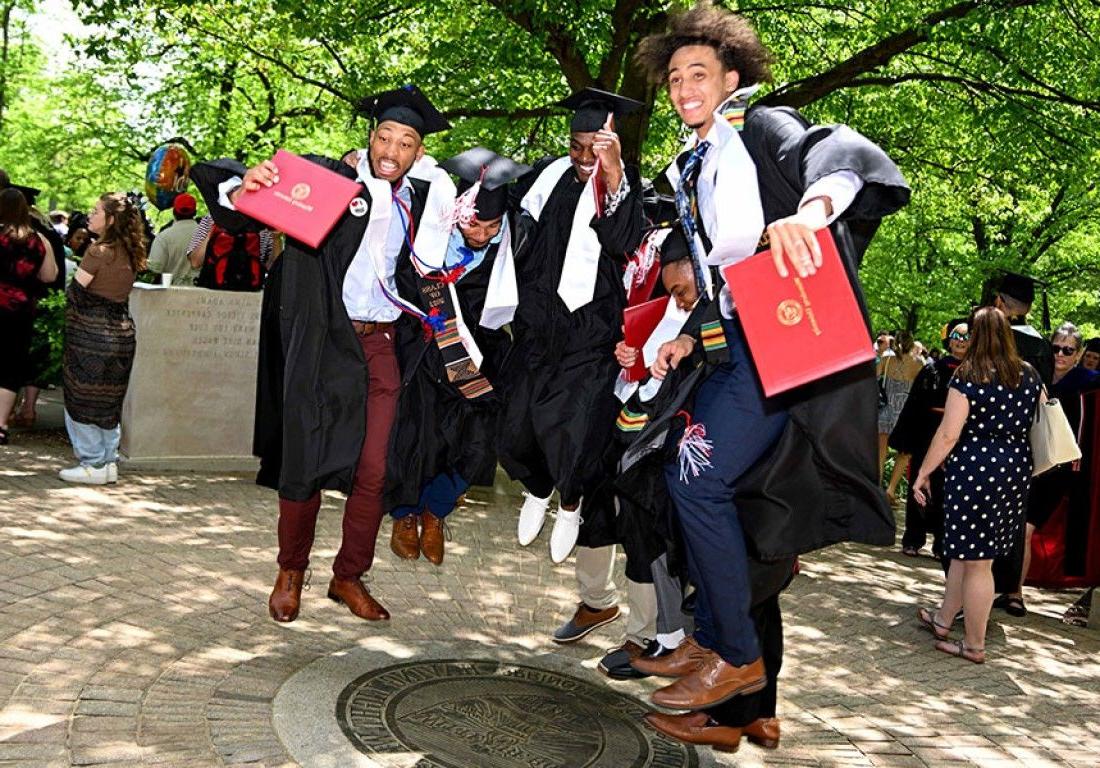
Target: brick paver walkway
134 631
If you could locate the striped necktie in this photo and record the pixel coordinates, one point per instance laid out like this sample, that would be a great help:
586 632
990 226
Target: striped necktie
685 208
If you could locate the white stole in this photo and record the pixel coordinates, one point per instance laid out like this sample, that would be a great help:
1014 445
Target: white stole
736 219
432 234
582 252
502 295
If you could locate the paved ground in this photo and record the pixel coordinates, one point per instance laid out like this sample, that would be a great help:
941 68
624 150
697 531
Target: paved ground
134 631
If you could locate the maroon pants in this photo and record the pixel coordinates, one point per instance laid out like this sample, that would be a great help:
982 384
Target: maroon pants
363 509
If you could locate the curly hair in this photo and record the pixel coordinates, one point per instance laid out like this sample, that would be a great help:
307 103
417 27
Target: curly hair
732 36
125 228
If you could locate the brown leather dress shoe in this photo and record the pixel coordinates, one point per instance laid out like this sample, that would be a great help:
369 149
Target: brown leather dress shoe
763 732
405 539
688 657
715 682
286 596
355 596
696 728
431 537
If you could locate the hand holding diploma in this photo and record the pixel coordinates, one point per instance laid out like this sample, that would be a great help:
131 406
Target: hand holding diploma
794 238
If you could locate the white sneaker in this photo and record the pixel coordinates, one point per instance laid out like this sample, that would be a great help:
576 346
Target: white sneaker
532 515
112 472
85 474
567 524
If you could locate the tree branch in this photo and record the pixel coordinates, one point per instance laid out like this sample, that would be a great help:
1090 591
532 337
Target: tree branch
510 114
558 43
810 89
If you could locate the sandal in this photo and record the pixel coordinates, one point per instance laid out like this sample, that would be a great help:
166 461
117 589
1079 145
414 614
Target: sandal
928 621
1012 605
910 551
1076 615
959 648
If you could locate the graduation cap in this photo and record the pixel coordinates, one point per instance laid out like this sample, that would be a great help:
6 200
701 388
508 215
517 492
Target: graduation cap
491 173
405 105
1093 345
675 247
1022 289
30 194
591 105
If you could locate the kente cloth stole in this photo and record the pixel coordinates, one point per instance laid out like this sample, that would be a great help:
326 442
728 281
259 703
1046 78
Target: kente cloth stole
462 372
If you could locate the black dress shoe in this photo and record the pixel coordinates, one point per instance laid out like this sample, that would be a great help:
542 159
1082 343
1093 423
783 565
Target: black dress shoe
616 664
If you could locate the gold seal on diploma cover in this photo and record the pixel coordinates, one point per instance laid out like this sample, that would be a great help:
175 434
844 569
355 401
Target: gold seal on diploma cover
300 191
789 312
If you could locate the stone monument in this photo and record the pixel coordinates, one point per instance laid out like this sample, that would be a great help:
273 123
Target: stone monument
191 400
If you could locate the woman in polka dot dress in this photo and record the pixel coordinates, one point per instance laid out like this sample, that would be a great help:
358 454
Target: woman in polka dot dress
984 439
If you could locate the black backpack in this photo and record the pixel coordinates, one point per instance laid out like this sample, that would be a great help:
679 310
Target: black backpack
232 262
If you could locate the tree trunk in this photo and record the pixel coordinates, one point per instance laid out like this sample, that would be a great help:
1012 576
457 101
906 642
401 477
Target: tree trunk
5 27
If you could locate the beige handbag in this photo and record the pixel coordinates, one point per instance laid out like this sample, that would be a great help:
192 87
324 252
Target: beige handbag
1052 438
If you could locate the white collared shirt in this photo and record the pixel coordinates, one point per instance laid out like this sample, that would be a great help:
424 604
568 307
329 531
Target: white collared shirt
363 296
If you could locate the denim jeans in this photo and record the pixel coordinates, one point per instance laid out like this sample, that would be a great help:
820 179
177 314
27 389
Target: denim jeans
438 497
93 446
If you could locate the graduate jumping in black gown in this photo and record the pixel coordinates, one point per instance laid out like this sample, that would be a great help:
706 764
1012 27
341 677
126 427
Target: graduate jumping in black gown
784 475
580 218
329 376
445 434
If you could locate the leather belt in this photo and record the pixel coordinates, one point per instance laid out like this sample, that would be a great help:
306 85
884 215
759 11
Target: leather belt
366 328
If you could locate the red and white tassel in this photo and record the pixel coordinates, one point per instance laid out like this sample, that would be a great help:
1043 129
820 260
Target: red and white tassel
694 450
465 208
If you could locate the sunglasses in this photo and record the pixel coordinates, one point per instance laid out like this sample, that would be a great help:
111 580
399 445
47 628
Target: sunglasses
1060 350
959 336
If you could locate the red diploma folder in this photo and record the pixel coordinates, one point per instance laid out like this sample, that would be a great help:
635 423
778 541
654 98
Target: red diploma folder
798 329
639 322
305 204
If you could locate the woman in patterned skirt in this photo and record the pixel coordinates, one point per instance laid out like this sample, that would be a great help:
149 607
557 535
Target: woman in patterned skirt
984 439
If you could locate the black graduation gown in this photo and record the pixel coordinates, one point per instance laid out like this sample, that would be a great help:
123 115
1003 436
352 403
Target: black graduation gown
437 429
312 385
1036 351
819 484
1064 503
560 377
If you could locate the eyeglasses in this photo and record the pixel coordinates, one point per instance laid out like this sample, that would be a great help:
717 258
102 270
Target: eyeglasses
959 336
1060 350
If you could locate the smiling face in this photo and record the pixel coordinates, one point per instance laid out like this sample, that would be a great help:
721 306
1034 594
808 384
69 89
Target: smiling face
959 341
393 150
698 83
582 155
478 233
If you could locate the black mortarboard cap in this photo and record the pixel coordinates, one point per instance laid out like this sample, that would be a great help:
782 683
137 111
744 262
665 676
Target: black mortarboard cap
405 105
675 247
499 172
1019 287
591 105
1093 345
30 194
